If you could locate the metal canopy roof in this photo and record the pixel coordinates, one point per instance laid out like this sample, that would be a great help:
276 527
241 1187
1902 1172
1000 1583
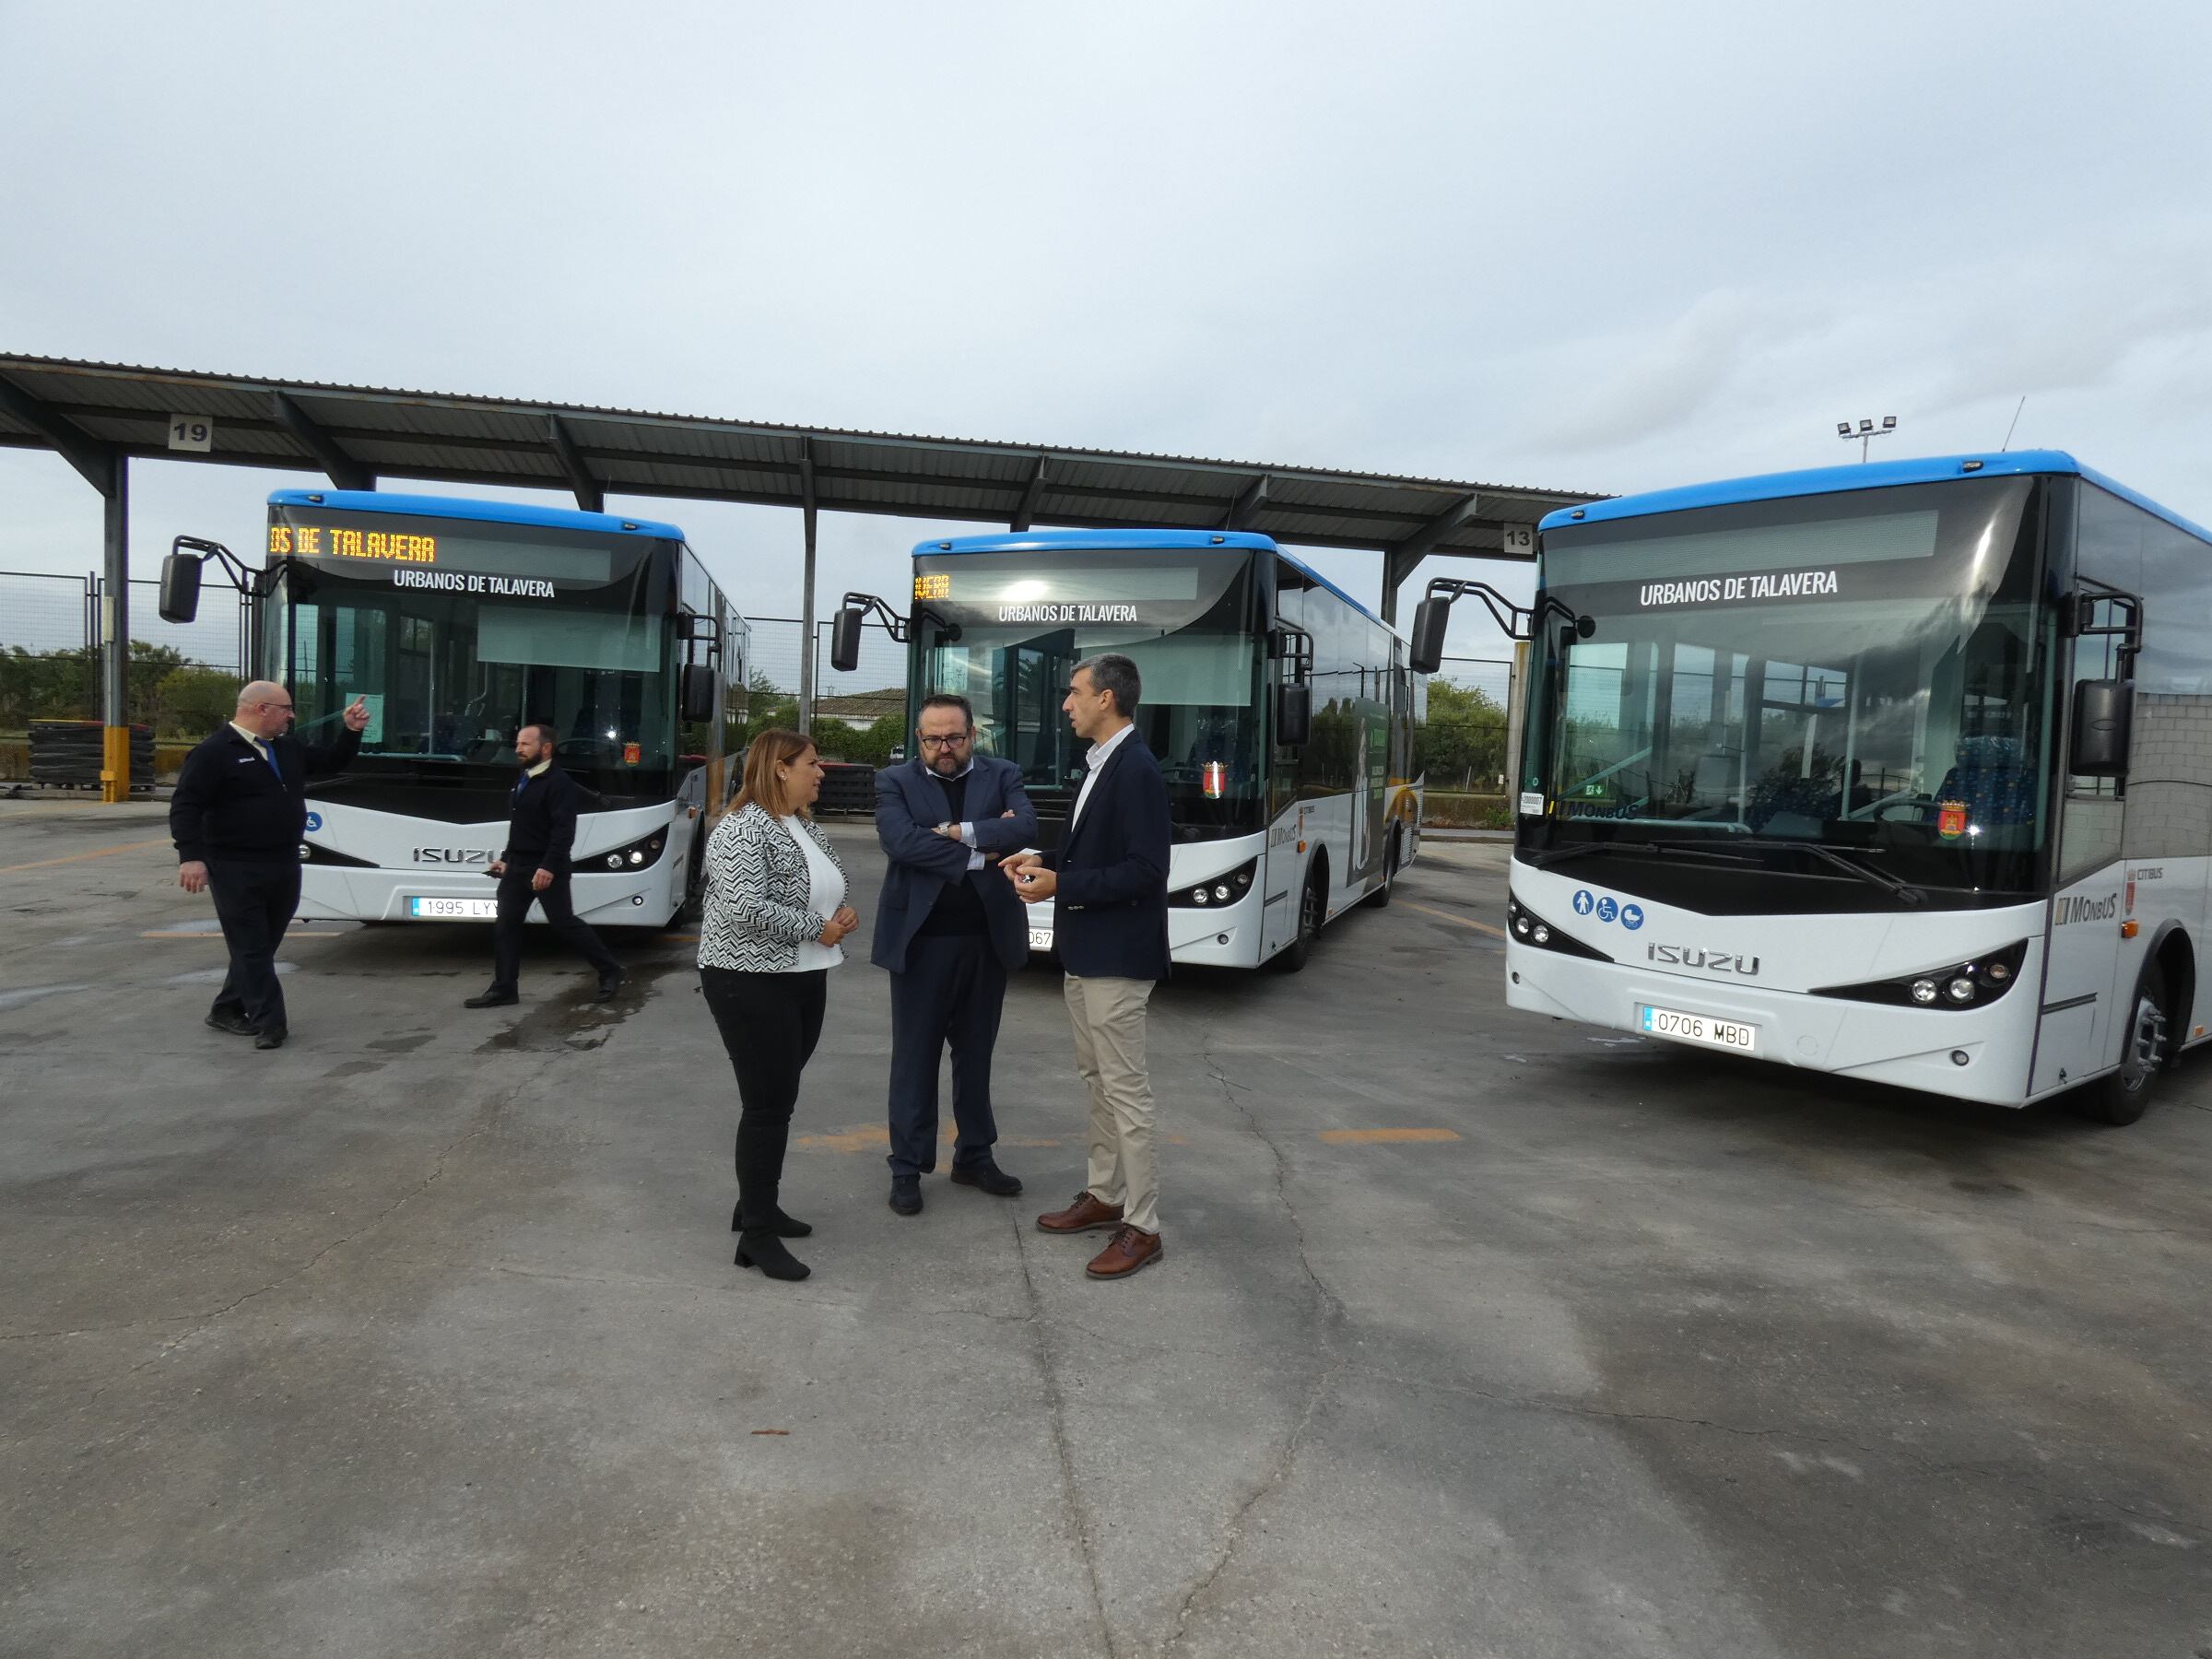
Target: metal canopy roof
97 413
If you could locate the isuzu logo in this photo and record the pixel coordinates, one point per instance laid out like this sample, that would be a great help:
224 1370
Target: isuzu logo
1713 961
453 855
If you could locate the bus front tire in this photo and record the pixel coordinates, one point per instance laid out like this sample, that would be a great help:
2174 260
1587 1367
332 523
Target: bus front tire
1311 903
2122 1096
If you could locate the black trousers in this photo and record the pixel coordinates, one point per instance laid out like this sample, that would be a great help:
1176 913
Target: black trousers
516 894
952 991
770 1023
255 902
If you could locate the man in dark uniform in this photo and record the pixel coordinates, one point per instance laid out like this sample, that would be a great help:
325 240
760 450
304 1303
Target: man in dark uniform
541 833
237 817
949 931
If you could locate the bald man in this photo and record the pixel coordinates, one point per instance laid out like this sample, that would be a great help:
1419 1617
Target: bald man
236 818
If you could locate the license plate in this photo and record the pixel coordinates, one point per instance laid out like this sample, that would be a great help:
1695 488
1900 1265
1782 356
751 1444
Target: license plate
1041 938
453 910
1698 1028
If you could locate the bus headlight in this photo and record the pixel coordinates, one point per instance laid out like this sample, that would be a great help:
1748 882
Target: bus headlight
636 854
1225 888
1528 928
1962 985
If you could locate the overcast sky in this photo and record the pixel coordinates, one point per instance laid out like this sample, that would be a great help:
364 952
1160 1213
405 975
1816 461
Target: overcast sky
1602 247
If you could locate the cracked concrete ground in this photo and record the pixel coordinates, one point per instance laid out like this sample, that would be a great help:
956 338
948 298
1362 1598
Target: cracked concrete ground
421 1336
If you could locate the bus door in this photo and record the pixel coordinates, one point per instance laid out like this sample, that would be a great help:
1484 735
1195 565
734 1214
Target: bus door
1033 685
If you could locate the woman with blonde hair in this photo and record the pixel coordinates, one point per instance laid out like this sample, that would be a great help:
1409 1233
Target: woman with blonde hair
769 931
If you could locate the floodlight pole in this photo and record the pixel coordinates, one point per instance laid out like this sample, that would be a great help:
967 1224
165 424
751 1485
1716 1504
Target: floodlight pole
1866 431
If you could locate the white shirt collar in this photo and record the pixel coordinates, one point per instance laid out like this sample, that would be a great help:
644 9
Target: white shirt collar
540 768
1099 751
255 738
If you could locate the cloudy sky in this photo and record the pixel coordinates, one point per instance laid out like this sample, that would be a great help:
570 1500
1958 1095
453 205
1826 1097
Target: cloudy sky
1602 247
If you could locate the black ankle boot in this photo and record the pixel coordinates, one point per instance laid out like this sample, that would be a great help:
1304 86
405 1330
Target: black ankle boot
788 1226
766 1252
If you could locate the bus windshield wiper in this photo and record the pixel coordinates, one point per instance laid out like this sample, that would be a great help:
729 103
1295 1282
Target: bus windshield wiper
1560 854
1904 891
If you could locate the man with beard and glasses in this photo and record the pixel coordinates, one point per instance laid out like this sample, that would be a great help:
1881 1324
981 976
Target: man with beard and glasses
949 931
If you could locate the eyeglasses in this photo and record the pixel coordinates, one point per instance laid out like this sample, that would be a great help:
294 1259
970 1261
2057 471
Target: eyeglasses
946 742
286 707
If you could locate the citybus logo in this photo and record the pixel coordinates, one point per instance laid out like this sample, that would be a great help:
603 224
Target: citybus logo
453 855
2078 907
1713 961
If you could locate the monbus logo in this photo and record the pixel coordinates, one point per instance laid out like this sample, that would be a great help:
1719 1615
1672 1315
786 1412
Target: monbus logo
2078 907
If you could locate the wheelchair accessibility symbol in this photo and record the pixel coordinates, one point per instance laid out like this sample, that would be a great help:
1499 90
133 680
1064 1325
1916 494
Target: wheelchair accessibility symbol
1584 902
314 820
1607 908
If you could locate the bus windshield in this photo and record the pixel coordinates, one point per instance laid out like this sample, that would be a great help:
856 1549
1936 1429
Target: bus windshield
498 626
1007 630
1863 671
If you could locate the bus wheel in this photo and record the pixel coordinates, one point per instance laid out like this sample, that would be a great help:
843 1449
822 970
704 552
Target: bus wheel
1309 904
1380 897
2122 1096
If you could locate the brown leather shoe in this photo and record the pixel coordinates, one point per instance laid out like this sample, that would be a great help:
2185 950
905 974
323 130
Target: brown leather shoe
1132 1250
1087 1213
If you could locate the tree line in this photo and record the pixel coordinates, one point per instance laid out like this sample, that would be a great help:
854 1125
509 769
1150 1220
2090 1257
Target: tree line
176 697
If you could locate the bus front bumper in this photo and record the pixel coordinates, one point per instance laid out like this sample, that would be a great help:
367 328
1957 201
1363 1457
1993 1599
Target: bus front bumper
356 894
1968 1053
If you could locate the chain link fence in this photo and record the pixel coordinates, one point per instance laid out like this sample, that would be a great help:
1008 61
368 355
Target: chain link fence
1460 744
183 677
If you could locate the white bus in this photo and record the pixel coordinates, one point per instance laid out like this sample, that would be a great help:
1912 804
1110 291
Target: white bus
1281 710
460 621
1901 772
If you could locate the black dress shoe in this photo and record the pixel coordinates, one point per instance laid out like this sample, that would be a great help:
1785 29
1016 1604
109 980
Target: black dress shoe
990 1178
786 1227
236 1024
270 1039
608 985
906 1194
494 998
771 1258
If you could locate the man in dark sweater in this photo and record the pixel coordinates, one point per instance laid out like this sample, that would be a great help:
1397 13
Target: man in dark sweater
541 834
948 930
237 817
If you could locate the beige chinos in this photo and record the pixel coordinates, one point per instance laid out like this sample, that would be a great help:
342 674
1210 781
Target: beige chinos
1108 1016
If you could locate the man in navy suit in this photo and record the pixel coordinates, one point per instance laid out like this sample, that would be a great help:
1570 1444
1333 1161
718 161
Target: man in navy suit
948 930
1109 881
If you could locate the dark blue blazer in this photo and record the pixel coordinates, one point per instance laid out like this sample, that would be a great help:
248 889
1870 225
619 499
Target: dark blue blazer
910 804
1110 913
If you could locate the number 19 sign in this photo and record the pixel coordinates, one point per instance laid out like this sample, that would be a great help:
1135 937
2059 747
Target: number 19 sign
191 433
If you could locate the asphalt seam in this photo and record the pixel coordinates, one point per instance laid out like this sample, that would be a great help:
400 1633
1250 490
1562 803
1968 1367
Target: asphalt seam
1077 1510
1329 1315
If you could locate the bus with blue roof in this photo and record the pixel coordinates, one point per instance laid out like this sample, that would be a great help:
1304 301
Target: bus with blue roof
459 621
1899 771
1280 709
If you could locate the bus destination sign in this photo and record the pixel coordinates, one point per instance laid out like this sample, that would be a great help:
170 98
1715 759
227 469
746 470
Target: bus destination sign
336 541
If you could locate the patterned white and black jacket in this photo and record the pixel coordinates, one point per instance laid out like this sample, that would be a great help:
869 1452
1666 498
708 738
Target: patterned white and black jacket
756 915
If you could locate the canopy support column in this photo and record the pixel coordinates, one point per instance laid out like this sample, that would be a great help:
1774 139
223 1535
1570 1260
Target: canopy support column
115 636
1400 561
806 639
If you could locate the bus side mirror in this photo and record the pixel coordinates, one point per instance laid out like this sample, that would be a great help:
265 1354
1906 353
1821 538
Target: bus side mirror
698 692
2101 712
1293 714
180 587
844 641
1430 617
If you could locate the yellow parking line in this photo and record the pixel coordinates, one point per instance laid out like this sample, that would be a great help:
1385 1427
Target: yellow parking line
47 863
1463 921
1377 1137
